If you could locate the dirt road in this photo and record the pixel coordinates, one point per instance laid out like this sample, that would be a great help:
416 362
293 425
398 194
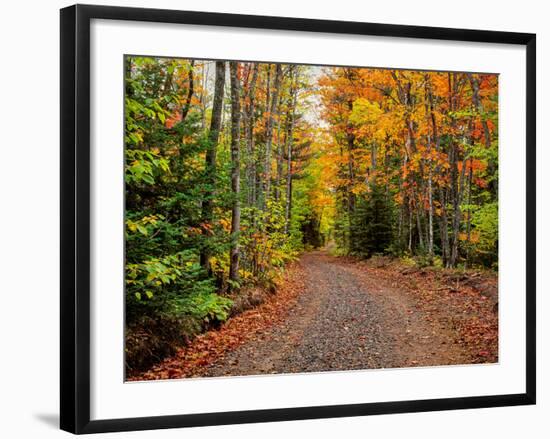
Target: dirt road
347 318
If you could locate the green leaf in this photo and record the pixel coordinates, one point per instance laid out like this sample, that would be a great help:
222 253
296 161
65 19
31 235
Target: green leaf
143 230
148 179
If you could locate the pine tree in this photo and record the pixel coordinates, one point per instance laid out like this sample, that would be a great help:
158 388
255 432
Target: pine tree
371 223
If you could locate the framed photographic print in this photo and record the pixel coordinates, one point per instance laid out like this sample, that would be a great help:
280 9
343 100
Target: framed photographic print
268 218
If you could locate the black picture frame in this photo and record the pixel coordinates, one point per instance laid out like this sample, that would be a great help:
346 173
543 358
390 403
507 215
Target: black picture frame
75 217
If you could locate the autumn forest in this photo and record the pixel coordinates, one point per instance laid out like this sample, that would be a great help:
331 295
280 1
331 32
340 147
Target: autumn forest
265 199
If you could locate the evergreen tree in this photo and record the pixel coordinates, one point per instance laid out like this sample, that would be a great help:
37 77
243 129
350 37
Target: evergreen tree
371 223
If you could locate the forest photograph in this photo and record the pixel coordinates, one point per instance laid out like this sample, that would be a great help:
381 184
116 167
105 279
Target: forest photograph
289 218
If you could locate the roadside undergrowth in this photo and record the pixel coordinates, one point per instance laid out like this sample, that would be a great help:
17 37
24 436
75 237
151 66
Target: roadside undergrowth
260 310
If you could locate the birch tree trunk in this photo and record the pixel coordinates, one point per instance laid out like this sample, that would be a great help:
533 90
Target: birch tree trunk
249 134
235 172
430 210
210 159
443 220
457 213
269 133
280 154
431 139
457 179
260 174
289 140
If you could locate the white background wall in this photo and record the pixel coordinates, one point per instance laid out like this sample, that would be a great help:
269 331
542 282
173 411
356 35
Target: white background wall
29 206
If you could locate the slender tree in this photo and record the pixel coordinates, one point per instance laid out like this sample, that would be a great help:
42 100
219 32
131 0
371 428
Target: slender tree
269 131
235 171
210 158
249 120
190 90
289 146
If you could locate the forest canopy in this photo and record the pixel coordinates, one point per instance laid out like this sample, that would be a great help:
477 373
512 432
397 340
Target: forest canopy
233 169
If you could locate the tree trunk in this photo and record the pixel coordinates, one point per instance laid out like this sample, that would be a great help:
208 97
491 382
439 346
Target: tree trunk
469 215
444 235
128 72
210 160
457 214
444 228
430 212
187 105
410 229
350 139
280 155
204 93
235 172
457 180
260 173
269 133
476 101
289 140
288 206
249 134
419 227
476 104
351 165
431 139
